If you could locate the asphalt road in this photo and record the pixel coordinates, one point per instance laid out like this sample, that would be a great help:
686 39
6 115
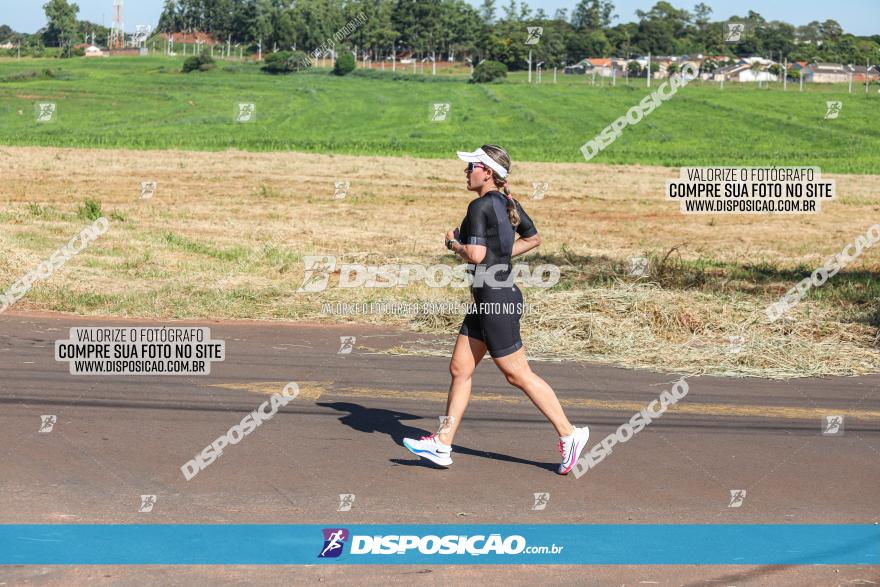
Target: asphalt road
119 437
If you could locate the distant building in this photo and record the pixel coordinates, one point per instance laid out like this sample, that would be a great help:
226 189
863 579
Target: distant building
663 62
7 45
601 65
756 71
825 73
191 38
92 51
579 68
695 62
861 73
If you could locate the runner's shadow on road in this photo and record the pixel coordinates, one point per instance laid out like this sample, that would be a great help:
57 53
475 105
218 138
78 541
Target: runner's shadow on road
370 420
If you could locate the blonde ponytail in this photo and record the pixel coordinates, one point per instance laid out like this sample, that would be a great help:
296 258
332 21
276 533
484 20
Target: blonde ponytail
512 212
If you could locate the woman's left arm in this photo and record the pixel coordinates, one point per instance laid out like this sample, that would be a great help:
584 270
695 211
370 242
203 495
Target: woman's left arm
526 244
528 234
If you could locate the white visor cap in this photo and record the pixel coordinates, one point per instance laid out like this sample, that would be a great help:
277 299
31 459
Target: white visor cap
480 156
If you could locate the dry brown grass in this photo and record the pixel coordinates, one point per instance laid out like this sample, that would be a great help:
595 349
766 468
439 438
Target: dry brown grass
240 223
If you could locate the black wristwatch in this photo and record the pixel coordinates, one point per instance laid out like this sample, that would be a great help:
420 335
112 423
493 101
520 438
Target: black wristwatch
449 241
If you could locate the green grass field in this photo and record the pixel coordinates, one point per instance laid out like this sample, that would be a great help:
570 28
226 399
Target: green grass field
145 103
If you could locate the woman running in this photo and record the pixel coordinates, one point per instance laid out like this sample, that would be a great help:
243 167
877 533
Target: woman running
486 241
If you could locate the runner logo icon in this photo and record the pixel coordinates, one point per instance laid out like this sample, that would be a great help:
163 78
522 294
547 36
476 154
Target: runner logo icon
334 540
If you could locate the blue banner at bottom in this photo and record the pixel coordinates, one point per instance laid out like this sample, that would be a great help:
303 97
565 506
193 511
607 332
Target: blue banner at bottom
202 544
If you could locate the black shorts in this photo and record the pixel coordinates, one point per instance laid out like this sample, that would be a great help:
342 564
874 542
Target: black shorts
494 319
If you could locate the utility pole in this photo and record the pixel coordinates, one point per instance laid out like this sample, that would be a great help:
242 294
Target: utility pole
530 66
260 50
649 69
785 75
433 63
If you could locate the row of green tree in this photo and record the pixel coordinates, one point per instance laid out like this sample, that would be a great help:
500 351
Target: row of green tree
455 30
62 30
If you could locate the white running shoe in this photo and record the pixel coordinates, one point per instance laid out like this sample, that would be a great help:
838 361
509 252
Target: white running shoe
571 447
429 447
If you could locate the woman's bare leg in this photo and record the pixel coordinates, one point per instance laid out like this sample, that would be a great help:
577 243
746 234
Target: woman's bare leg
466 356
516 368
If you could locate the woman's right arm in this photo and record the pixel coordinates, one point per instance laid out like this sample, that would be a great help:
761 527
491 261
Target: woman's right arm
474 250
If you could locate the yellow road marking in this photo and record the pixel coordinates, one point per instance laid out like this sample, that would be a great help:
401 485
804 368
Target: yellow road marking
309 390
683 407
312 390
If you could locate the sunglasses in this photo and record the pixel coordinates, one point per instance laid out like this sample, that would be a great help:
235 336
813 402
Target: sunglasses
472 166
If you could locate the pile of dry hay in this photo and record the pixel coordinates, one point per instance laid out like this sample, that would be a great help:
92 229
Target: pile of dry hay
644 326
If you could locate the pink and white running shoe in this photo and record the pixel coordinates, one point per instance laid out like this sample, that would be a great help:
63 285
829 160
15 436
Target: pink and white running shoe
429 447
571 447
